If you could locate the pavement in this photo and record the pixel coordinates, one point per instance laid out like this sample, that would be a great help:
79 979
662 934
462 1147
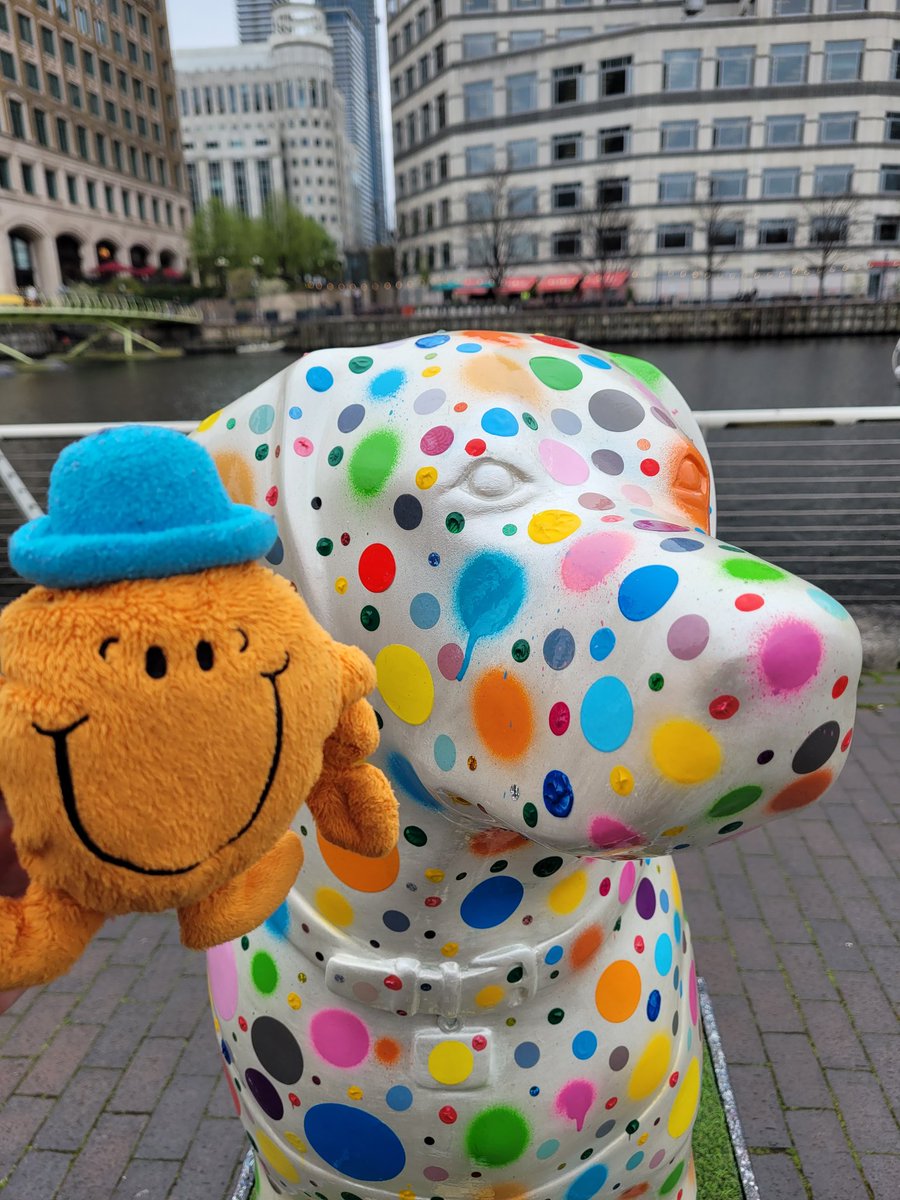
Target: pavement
111 1085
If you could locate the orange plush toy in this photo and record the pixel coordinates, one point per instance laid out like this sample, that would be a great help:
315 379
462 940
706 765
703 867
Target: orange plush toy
166 706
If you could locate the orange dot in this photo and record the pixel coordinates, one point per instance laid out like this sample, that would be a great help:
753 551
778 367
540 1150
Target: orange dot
488 842
357 872
800 793
387 1051
501 709
492 335
618 991
461 407
643 444
586 946
237 476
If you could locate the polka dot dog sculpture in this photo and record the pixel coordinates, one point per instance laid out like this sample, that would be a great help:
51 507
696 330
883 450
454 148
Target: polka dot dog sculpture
575 679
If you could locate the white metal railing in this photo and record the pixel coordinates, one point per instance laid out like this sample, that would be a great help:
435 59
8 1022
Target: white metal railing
103 303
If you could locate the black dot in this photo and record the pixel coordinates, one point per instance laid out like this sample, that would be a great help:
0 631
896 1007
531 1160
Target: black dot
205 656
156 665
277 1049
375 945
547 866
408 512
320 957
817 749
429 1141
430 933
500 865
316 503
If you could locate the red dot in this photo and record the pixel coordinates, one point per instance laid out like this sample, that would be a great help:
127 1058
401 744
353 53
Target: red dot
479 1041
673 1079
461 407
559 718
294 1099
432 901
749 602
649 466
393 983
345 539
242 1024
605 885
724 707
848 738
639 944
840 687
555 341
475 447
278 452
612 1102
377 568
272 496
448 1115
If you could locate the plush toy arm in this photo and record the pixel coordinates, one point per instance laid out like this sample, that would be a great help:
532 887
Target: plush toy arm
355 738
355 808
244 902
42 935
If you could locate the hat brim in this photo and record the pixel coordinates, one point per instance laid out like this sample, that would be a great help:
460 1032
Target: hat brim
42 556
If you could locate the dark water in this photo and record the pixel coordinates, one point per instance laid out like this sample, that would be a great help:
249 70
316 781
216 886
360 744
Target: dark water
711 375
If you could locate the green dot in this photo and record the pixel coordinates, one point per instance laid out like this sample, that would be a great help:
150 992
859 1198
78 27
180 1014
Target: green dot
264 973
497 1136
431 355
373 462
557 373
587 1153
520 650
360 364
324 546
304 831
370 618
415 836
455 522
671 1179
529 420
632 1126
262 452
731 827
335 456
530 815
245 942
751 570
735 801
555 1015
515 975
230 423
656 682
640 369
509 530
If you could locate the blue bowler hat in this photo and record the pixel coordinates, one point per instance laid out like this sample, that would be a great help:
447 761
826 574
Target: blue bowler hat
136 503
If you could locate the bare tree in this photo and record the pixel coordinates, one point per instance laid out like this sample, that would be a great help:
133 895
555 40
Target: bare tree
495 225
608 233
830 220
720 226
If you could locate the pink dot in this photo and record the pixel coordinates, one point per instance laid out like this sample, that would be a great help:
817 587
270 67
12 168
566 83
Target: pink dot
575 1100
609 834
223 979
636 494
303 446
562 463
791 655
437 440
339 1037
272 496
436 1174
626 881
450 660
559 718
594 557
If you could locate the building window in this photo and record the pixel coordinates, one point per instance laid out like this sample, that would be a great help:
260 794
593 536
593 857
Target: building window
5 179
674 237
522 4
785 130
75 100
789 63
92 194
681 70
612 191
478 100
28 179
573 32
266 184
887 229
566 84
440 110
837 127
94 105
48 41
8 65
479 159
523 247
87 63
32 79
478 6
51 184
26 29
525 39
112 113
17 119
678 135
566 244
780 182
725 235
193 186
776 232
565 196
892 127
791 8
833 180
727 185
895 61
110 198
521 93
847 5
62 136
106 72
616 140
72 188
522 201
734 66
54 85
68 52
522 154
445 254
81 136
40 127
479 207
677 188
843 61
615 76
890 178
216 182
445 212
828 230
4 28
478 45
566 147
444 167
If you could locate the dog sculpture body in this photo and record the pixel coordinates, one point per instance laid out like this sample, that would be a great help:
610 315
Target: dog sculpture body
575 679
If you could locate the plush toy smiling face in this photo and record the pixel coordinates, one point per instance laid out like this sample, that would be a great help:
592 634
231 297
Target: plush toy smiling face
166 729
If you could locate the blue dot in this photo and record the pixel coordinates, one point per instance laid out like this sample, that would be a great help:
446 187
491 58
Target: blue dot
425 610
262 418
664 900
527 1055
534 1091
226 1053
644 592
489 593
351 418
680 545
676 926
397 922
584 1044
434 560
431 340
654 1003
468 348
280 921
607 714
558 794
399 1098
547 1149
559 649
602 644
404 778
388 383
593 361
295 413
500 422
492 902
276 554
827 603
662 955
354 1142
553 955
445 752
586 1186
319 379
635 1161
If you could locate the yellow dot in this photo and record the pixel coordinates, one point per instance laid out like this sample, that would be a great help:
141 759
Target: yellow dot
674 831
651 1068
296 1142
405 683
676 889
568 893
642 1139
490 996
354 1093
685 1107
406 1194
449 949
216 1025
208 422
301 976
434 875
276 1158
340 585
430 371
552 525
334 907
294 1000
621 781
451 1063
426 477
685 752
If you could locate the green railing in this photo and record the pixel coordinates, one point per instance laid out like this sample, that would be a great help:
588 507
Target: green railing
89 305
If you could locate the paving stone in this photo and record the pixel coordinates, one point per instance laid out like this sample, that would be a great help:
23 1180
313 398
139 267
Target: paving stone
22 1117
202 1055
866 1003
759 1107
807 973
76 1110
883 1172
777 1177
798 1074
212 1161
53 1070
99 1167
738 1030
869 1122
11 1071
38 1024
886 962
838 945
784 919
147 1074
772 1004
143 938
85 970
176 1117
148 1179
104 995
834 1038
824 1155
122 1034
38 1175
716 959
866 919
752 944
183 1011
220 1102
883 1050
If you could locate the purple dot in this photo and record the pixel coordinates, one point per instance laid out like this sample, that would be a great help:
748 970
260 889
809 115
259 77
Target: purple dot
264 1093
645 901
688 636
765 757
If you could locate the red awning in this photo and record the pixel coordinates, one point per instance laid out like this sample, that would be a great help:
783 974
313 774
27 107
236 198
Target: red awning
558 283
172 273
886 262
111 268
612 280
474 287
515 285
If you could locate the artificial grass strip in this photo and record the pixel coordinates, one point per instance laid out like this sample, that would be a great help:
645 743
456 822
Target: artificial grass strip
717 1174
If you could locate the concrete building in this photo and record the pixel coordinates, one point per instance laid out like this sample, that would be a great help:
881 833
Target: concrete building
264 119
91 171
349 77
254 20
718 147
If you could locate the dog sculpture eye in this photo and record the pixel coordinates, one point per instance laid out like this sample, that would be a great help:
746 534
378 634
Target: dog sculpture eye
155 663
205 656
491 480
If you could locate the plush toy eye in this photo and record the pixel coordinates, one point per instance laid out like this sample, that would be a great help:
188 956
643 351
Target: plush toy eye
205 656
246 640
105 645
155 663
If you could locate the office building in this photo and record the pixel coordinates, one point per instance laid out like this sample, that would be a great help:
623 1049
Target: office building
731 149
254 20
91 171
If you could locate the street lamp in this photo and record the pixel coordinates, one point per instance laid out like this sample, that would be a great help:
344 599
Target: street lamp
223 264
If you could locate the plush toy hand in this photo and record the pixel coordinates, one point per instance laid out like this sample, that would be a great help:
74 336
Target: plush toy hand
13 882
